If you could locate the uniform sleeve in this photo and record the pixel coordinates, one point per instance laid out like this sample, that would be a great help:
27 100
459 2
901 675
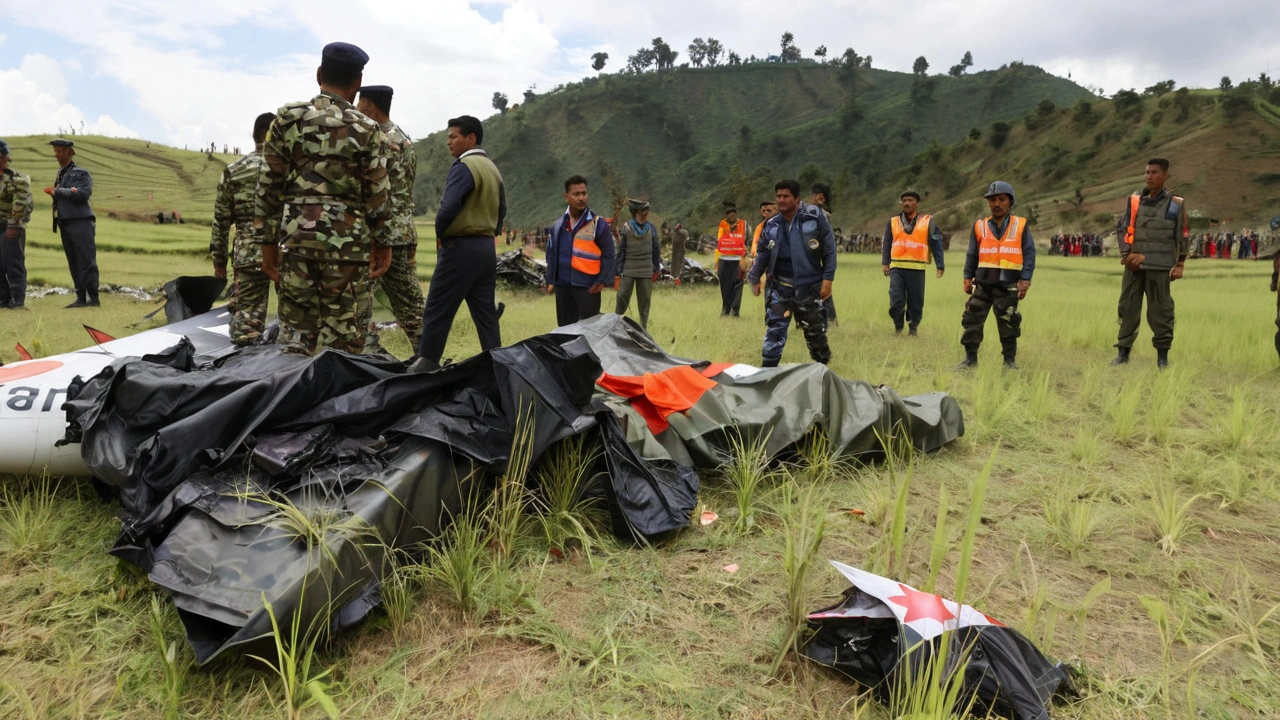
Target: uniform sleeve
502 205
377 191
269 195
620 255
1184 233
82 181
1028 254
223 205
936 245
657 249
1121 227
971 257
396 179
22 204
457 185
604 239
828 248
886 245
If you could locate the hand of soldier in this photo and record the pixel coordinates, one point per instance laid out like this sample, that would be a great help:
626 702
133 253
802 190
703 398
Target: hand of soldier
1176 272
968 286
48 191
617 282
220 272
677 282
548 289
1023 287
940 271
271 261
595 289
1275 281
825 292
654 278
379 261
11 233
886 270
755 288
742 271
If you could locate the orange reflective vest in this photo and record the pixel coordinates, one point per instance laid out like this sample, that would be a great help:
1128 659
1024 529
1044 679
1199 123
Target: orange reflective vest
910 249
1135 200
732 240
586 253
1003 252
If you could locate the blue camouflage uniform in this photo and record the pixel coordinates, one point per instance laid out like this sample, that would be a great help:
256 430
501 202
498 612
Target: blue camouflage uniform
797 255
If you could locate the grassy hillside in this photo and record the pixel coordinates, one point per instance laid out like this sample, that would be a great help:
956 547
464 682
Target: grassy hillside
690 139
132 179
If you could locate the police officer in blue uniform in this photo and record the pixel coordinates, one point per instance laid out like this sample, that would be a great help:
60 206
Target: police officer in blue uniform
73 217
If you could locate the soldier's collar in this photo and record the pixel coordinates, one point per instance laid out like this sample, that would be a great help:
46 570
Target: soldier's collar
336 98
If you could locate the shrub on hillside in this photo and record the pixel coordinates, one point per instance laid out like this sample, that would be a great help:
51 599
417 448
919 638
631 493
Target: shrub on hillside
999 134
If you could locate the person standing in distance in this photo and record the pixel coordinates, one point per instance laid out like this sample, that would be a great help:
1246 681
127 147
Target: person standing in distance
1154 240
322 203
472 208
798 255
15 212
679 238
997 274
639 259
73 217
400 284
234 206
731 246
579 257
911 240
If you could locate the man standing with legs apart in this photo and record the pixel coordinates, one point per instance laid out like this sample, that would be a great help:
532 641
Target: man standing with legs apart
400 284
234 206
997 274
798 254
73 216
579 257
472 208
15 211
911 240
1153 247
639 260
322 201
731 245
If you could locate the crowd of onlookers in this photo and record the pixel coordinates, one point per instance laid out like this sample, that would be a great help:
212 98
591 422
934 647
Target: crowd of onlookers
1076 245
1242 245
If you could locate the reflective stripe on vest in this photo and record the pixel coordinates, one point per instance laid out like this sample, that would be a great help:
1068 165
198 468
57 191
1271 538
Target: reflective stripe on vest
732 240
1004 252
910 249
586 253
1134 201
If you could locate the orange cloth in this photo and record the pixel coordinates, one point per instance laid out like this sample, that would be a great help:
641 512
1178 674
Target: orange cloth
657 395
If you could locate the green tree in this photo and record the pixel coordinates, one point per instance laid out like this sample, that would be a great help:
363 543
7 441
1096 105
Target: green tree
1160 88
999 134
821 53
714 51
965 63
663 56
734 58
1125 100
790 53
500 102
598 60
921 66
1225 84
697 52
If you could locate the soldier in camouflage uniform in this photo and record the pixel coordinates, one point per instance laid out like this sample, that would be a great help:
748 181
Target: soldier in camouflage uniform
400 284
237 194
15 212
322 204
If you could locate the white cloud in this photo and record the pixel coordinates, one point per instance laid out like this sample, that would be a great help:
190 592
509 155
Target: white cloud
35 102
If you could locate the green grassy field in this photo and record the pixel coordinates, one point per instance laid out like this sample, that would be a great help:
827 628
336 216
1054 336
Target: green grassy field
1162 484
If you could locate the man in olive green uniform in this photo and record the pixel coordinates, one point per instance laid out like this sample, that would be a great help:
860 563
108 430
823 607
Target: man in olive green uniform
322 209
638 261
400 284
15 212
234 207
1153 239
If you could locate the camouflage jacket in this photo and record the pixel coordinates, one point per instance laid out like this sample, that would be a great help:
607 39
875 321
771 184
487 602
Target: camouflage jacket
402 169
323 189
15 198
234 205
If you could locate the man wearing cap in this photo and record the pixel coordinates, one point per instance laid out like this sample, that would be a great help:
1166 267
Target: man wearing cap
1153 239
472 208
731 246
73 217
15 211
639 260
233 207
910 241
580 256
400 284
322 209
997 274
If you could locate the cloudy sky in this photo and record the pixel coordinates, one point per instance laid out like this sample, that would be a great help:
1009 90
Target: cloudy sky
193 71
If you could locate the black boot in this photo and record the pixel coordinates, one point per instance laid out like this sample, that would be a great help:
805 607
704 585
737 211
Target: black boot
1009 363
91 299
80 301
970 359
1122 357
1162 358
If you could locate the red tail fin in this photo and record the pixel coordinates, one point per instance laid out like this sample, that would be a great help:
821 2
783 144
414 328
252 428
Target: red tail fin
97 335
22 352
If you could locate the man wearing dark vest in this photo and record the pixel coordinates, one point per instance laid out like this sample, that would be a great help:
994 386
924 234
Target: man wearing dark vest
73 217
472 209
639 260
579 257
731 245
1153 239
997 274
911 240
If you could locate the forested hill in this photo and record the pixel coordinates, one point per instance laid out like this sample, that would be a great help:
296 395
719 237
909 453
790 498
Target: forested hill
689 139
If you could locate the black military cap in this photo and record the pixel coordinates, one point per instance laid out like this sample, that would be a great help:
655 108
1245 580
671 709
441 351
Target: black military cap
910 193
340 54
4 148
61 143
377 90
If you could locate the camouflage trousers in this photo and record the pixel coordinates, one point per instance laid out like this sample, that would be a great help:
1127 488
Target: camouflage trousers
249 306
1008 319
322 304
403 292
782 304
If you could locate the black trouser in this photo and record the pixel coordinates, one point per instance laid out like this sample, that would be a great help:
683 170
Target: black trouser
906 296
1008 321
1154 284
574 303
466 269
13 267
82 255
730 286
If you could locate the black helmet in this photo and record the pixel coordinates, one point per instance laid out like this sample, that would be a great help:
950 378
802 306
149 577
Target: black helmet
1001 187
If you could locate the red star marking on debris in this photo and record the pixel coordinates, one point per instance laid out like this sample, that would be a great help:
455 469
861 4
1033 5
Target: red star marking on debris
921 605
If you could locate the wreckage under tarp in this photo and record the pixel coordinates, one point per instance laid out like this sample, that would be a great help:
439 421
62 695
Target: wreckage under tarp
214 462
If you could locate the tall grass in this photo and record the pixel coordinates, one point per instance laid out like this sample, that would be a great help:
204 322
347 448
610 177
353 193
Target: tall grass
302 684
1072 521
803 527
746 472
1169 511
507 511
27 514
565 512
1124 408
